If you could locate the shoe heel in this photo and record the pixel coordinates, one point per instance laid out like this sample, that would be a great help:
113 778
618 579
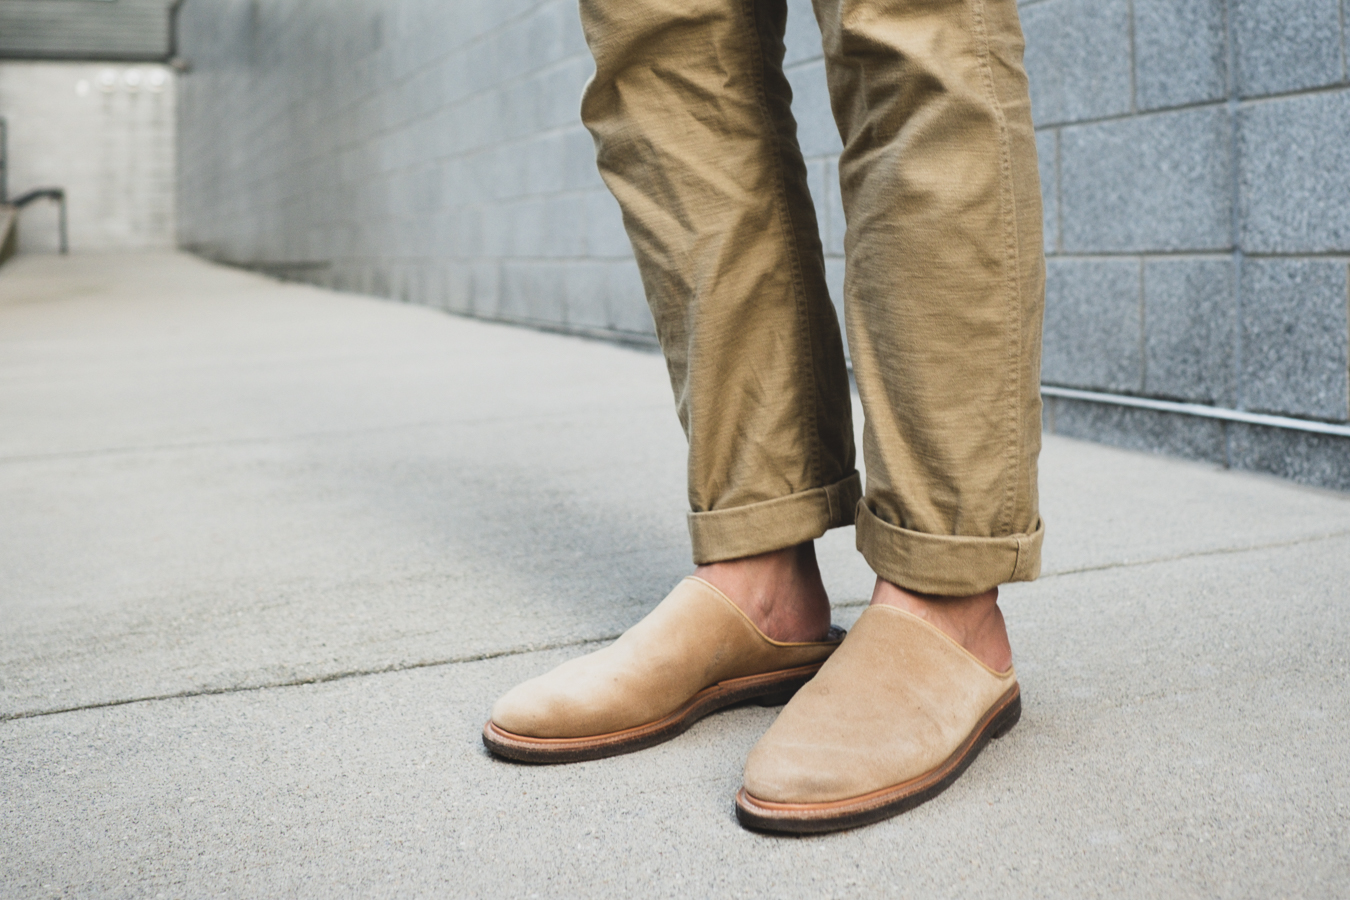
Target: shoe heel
1008 718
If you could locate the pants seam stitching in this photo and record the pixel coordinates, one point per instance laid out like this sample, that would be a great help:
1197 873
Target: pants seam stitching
786 222
1013 382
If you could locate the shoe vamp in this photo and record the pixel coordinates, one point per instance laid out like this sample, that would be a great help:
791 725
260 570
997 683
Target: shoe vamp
873 718
823 755
632 682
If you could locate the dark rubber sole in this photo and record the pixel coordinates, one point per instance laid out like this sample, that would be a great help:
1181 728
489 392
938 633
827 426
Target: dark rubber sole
769 689
816 818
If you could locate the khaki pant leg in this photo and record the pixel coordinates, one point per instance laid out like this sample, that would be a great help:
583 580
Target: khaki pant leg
944 285
689 109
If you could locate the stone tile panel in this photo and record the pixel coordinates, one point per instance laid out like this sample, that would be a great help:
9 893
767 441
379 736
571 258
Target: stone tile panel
1296 337
1078 59
1160 182
1180 52
1287 45
1093 324
1190 328
1294 174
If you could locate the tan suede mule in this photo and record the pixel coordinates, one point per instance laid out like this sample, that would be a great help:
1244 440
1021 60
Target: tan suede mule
695 653
890 721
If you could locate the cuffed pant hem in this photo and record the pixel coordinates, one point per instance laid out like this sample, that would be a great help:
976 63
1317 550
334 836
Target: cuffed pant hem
946 565
724 534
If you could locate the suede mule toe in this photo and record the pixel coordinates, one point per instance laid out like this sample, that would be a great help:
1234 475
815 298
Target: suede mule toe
890 721
695 653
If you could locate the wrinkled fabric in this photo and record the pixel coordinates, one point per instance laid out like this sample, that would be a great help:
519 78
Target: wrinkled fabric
943 288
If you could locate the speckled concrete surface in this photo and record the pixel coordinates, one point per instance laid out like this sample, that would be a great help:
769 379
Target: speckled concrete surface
232 490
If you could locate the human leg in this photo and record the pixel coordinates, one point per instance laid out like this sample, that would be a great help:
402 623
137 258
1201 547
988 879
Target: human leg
689 108
690 113
943 295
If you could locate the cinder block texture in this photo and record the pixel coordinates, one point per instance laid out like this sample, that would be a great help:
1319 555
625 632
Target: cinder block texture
833 224
802 38
1180 52
1093 326
1190 326
1047 158
1147 183
1137 429
1296 337
434 153
104 133
1078 59
1294 177
1317 459
816 131
1287 45
416 150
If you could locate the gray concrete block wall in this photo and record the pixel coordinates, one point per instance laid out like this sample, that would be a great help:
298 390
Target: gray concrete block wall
1193 157
1205 143
105 133
404 149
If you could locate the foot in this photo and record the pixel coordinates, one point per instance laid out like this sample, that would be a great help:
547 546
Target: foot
696 652
781 592
974 622
890 720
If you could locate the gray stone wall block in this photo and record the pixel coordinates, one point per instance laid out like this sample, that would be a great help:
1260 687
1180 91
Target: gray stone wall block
834 280
1322 460
1047 160
531 292
831 203
1294 174
628 311
439 158
1181 52
816 132
1093 326
1287 45
473 287
518 110
605 234
1137 429
802 38
1296 337
552 32
113 152
604 296
1190 328
1078 59
558 91
1148 183
562 226
591 296
585 294
576 161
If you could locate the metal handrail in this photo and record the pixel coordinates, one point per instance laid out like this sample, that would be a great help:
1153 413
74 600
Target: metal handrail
50 193
19 202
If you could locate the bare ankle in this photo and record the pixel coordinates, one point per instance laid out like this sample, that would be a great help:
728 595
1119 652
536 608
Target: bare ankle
975 622
781 591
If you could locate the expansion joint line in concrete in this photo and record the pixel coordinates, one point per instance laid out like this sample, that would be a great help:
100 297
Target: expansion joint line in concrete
313 679
1156 560
1200 554
581 642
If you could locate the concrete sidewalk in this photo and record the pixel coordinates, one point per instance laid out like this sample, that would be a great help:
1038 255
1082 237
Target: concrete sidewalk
269 553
